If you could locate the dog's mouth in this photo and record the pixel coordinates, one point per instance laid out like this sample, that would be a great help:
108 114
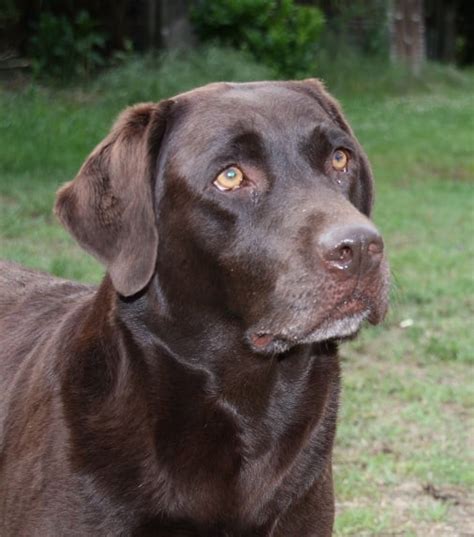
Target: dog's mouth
344 321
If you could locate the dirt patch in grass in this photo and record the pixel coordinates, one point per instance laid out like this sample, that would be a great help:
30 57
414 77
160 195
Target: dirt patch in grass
421 510
418 509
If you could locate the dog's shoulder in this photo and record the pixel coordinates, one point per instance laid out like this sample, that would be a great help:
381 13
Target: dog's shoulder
33 305
17 283
19 278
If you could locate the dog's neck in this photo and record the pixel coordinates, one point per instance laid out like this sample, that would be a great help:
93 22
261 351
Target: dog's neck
198 342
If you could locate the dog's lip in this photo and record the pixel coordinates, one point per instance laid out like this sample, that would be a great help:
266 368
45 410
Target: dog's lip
343 321
337 328
261 340
351 311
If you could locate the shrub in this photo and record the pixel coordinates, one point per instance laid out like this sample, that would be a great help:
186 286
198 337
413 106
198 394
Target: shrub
279 33
61 48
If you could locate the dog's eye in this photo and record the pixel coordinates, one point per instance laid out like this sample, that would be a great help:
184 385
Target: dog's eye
230 179
340 160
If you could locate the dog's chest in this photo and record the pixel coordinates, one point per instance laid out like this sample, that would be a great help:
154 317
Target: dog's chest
225 467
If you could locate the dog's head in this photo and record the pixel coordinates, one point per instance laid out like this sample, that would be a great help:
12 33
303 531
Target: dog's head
250 200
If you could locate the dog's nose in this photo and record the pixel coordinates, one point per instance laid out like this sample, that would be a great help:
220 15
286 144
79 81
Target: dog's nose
351 249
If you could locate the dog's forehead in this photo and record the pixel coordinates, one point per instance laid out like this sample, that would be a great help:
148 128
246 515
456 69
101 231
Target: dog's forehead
256 104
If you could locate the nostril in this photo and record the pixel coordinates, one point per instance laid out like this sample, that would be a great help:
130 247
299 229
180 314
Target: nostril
345 253
375 247
340 255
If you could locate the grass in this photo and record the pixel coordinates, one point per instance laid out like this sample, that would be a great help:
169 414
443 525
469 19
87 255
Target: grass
402 464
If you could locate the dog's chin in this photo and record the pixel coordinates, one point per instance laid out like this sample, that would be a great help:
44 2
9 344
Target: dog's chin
340 328
337 329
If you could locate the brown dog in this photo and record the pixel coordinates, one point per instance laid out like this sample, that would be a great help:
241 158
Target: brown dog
194 393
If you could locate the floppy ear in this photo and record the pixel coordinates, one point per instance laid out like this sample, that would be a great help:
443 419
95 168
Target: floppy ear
363 192
108 207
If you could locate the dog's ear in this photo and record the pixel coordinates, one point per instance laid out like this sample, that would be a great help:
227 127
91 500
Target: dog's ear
108 207
363 190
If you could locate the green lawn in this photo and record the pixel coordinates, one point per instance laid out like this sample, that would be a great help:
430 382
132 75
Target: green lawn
402 462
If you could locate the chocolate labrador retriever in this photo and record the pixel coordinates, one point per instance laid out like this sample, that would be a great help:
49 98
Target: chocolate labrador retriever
195 391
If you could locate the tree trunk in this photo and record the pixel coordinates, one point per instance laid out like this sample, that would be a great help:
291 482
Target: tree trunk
176 30
407 33
160 24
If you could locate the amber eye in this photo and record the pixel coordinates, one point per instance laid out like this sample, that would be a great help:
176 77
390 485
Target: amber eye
340 160
230 179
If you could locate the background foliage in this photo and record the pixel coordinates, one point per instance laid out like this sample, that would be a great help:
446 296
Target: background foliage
64 39
61 48
282 35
